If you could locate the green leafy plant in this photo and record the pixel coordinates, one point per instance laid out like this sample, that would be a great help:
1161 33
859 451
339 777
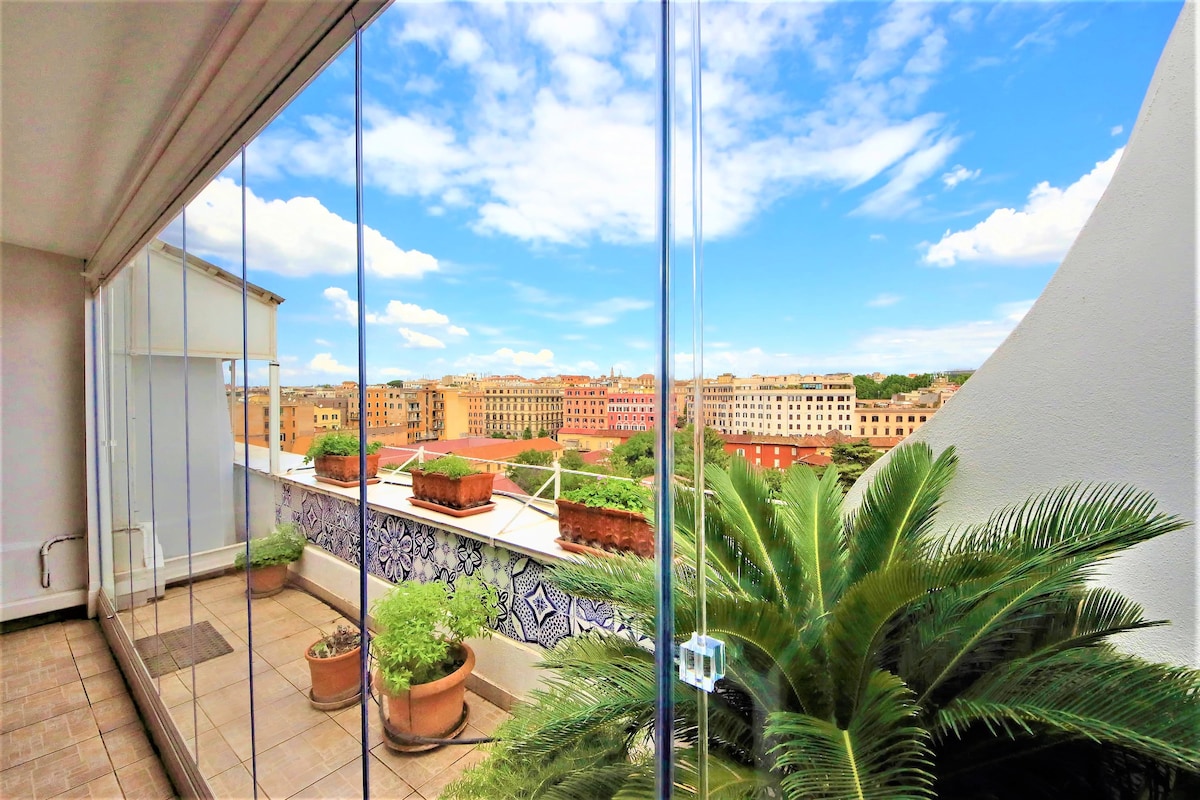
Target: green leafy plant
338 444
621 495
450 466
344 640
422 624
283 546
530 480
871 654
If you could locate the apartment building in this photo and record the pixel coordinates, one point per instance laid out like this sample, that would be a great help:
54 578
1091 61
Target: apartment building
443 413
326 418
296 421
585 406
512 407
890 420
631 411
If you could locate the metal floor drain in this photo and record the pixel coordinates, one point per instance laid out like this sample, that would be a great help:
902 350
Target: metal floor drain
180 648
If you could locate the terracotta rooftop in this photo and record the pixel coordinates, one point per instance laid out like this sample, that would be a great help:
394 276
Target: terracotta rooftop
504 449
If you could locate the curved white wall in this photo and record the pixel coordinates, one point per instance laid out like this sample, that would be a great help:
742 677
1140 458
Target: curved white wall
1098 382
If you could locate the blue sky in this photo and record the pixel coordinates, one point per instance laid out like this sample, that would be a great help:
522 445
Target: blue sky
887 187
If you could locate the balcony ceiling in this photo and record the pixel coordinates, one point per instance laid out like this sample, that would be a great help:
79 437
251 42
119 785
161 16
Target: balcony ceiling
113 114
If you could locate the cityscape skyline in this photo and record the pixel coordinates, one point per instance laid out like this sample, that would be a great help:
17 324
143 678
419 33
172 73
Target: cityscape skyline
918 169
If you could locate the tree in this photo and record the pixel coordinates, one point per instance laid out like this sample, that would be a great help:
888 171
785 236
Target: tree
714 451
867 389
635 457
869 656
498 435
543 433
852 460
530 479
527 433
396 384
571 459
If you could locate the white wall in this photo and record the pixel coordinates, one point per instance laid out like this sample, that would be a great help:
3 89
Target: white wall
1114 329
42 440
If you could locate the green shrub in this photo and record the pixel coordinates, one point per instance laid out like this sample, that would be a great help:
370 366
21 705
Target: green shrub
283 546
450 466
338 444
422 624
612 494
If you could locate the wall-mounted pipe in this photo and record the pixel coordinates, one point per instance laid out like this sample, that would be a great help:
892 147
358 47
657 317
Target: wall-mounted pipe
45 551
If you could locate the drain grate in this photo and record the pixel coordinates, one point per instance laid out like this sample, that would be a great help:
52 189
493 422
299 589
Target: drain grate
180 648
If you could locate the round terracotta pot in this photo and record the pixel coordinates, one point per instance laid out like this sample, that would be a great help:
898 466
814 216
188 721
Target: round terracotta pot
429 709
334 679
267 580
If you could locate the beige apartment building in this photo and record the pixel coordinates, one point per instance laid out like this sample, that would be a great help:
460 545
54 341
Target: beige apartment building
814 405
890 420
512 407
296 421
443 413
326 418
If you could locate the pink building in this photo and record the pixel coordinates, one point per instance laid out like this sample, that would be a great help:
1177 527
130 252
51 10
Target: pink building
631 411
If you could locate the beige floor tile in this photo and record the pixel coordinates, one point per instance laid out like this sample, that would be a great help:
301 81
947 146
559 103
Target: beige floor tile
289 648
45 737
76 628
305 759
419 769
432 789
272 628
235 784
215 754
31 639
114 712
127 744
42 705
297 674
274 722
145 780
183 717
26 675
485 717
87 642
56 773
174 689
103 788
347 782
317 612
217 673
351 721
104 685
208 593
233 701
95 663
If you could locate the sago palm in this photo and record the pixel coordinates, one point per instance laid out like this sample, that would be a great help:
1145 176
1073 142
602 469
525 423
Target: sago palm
871 655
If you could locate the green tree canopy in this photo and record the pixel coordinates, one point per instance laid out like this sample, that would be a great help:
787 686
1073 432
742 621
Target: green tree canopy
867 389
852 459
530 479
396 384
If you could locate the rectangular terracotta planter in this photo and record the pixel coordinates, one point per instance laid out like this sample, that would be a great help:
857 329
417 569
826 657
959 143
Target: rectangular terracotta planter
469 491
605 528
344 468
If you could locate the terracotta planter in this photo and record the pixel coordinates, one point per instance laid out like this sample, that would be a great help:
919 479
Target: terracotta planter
432 709
344 468
266 581
334 679
605 528
469 491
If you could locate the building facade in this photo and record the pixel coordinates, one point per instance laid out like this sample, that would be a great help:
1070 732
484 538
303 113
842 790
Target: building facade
510 408
890 420
585 406
631 411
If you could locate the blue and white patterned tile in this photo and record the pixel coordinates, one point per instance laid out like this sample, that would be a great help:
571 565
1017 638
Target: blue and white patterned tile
469 555
542 609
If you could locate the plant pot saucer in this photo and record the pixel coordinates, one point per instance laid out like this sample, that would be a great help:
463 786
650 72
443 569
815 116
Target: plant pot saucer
453 512
343 484
336 704
576 547
269 593
396 741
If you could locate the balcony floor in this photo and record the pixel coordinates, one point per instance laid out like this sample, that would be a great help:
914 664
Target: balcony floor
302 752
68 727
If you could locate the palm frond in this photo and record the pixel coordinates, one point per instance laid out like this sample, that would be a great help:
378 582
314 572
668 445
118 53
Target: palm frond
882 754
1095 693
812 519
898 508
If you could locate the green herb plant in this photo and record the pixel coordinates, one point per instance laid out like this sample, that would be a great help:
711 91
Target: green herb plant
421 625
344 640
621 495
450 466
338 444
283 546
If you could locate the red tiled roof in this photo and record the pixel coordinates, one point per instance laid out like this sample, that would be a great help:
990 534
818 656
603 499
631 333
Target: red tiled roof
501 483
815 460
596 456
504 449
613 434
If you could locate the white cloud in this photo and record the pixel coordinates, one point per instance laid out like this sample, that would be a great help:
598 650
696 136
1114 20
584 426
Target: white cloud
1041 232
396 313
877 237
556 145
297 237
420 340
455 330
604 312
322 343
506 357
1117 130
884 300
326 364
958 175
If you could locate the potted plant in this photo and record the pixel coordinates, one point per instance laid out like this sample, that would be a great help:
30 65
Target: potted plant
451 485
335 458
879 652
422 658
606 515
333 663
269 557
